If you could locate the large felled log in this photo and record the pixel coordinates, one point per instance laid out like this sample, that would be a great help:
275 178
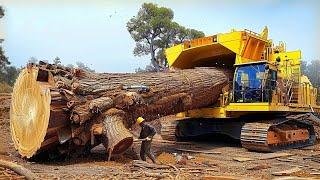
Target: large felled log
53 105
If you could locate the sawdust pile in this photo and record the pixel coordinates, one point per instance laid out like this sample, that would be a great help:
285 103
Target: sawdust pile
166 158
9 174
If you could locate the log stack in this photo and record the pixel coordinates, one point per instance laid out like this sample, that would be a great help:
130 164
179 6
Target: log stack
65 109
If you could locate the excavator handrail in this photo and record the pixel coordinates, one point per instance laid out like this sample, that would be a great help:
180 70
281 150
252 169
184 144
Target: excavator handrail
252 32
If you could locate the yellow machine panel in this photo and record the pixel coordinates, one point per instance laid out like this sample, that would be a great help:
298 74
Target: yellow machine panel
293 92
271 103
225 49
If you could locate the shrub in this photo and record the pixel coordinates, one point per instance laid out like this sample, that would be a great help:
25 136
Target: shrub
5 88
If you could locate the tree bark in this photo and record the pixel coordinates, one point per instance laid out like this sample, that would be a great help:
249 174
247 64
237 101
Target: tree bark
90 108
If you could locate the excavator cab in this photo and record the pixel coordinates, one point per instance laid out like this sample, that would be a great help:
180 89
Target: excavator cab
254 83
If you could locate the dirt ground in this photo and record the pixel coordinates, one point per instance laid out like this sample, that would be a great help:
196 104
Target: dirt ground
213 159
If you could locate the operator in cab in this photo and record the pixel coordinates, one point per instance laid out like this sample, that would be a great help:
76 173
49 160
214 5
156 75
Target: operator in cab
146 135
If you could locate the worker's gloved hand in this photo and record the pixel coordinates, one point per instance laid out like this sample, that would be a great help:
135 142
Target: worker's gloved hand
148 139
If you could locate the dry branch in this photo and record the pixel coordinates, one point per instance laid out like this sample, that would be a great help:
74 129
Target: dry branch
18 169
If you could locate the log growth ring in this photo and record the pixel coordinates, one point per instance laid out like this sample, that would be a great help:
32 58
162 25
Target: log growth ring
29 112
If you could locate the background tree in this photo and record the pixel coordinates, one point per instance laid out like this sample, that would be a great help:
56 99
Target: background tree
33 60
11 73
56 61
153 30
8 74
146 28
3 59
81 65
193 34
167 38
185 34
304 67
312 70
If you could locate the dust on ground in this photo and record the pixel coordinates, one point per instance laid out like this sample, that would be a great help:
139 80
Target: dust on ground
211 159
5 138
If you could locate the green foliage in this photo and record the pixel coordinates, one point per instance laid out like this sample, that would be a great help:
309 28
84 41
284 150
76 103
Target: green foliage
312 70
56 61
193 34
188 34
146 29
8 74
153 30
3 59
1 12
5 88
303 67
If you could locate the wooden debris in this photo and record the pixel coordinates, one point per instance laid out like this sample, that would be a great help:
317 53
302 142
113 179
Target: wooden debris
314 158
242 159
143 164
284 159
287 172
292 178
259 167
274 155
156 175
18 169
221 178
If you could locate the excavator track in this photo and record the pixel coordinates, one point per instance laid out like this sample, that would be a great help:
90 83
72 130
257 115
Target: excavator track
275 135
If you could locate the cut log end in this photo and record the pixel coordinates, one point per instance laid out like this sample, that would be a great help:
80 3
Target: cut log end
119 138
29 112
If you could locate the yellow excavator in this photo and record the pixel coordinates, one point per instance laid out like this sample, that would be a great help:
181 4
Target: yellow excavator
269 106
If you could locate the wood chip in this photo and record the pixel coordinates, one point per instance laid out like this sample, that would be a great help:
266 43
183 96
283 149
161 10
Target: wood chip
291 178
274 155
259 167
221 178
287 172
242 159
284 160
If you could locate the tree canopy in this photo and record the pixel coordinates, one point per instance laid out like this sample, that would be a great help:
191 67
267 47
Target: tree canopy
81 65
56 61
312 70
8 73
3 59
153 30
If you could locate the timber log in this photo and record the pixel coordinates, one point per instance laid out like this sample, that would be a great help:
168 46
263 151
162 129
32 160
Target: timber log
55 108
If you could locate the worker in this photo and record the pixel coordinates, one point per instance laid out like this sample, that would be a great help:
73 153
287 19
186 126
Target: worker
146 135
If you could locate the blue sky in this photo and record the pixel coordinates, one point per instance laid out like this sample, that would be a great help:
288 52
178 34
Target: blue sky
94 32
